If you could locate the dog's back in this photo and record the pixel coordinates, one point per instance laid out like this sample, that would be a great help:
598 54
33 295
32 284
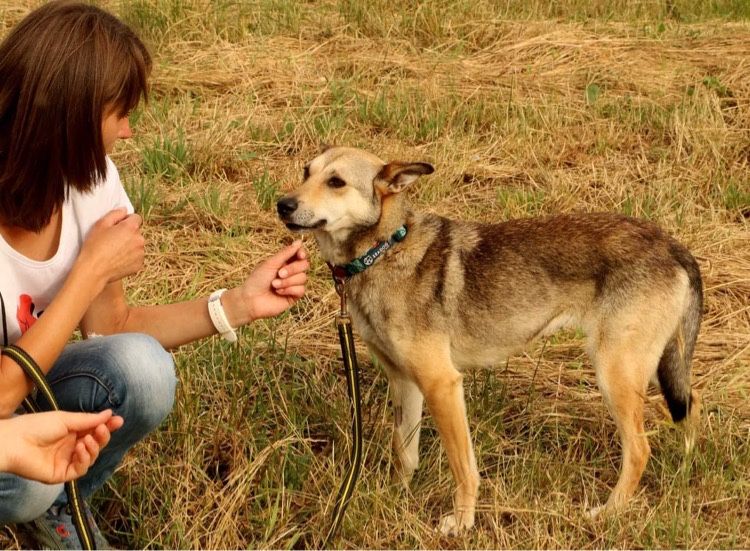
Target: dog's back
520 279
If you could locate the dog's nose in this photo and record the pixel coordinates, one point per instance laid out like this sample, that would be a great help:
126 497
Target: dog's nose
286 206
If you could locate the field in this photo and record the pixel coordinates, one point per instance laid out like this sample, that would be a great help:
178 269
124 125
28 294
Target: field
525 108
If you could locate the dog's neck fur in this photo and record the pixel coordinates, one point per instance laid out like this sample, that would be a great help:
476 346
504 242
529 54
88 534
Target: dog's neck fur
342 247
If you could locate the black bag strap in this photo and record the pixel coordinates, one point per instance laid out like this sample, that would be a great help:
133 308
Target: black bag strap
5 323
33 372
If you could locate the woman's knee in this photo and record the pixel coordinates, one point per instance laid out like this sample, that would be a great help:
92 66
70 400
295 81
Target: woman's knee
148 372
129 372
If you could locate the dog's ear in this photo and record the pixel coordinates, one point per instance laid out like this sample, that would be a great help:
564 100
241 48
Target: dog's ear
322 148
398 174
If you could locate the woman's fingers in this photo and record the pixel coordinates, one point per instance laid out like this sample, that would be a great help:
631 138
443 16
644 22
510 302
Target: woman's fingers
80 463
101 435
93 447
298 291
115 422
281 258
291 281
293 268
80 422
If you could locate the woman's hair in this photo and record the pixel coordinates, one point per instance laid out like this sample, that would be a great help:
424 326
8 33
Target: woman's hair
61 68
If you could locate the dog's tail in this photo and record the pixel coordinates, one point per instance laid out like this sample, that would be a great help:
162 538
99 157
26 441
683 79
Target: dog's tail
674 366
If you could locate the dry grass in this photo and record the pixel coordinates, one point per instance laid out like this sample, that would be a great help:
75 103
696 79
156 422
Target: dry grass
525 109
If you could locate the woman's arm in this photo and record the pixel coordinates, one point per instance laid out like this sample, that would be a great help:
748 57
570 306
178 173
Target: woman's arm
271 288
113 250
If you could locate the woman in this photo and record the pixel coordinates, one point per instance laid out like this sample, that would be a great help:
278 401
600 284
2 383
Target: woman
69 75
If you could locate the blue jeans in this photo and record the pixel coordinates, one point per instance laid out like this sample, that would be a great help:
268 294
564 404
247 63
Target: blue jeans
131 374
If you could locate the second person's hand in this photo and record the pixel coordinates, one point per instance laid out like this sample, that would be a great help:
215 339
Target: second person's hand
56 446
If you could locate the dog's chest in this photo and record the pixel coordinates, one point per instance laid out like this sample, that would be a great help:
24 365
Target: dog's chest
375 317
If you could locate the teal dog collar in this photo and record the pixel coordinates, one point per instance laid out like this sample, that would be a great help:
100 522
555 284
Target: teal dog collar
360 264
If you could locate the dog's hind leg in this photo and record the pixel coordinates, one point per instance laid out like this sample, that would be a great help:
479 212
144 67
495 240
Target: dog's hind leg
623 374
442 386
626 351
407 403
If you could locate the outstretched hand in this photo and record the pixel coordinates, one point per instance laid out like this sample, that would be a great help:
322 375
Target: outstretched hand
277 283
55 446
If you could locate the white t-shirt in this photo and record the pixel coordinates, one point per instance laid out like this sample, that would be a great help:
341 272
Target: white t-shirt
28 286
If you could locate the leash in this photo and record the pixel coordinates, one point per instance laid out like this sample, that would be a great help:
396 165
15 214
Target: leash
75 500
351 369
341 274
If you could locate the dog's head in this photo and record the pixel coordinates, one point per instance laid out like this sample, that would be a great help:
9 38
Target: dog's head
343 189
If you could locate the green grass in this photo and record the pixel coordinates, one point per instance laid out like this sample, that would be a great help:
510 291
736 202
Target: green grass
144 196
167 157
525 109
266 191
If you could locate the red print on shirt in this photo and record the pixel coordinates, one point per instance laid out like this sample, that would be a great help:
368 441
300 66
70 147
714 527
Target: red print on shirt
25 313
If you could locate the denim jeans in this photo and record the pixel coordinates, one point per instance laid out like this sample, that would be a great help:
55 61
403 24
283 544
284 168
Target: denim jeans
131 374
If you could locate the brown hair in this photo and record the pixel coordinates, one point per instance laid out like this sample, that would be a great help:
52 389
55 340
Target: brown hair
60 68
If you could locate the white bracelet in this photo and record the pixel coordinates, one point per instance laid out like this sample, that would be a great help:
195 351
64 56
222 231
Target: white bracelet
219 317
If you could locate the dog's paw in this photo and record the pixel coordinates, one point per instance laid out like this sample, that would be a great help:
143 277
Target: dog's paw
448 526
405 476
401 477
451 526
596 512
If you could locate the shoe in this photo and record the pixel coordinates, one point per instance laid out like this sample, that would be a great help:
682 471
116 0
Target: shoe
55 530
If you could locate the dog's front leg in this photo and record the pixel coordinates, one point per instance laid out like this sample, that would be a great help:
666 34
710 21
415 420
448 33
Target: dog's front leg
407 402
442 385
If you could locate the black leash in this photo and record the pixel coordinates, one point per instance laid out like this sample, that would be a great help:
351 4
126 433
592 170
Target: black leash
346 338
341 274
75 500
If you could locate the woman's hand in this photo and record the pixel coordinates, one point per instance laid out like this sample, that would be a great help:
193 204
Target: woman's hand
114 247
275 285
54 446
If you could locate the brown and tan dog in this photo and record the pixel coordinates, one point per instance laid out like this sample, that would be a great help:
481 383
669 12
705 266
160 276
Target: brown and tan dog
452 295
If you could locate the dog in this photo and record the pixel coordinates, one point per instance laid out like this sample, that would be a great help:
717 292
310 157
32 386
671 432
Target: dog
435 297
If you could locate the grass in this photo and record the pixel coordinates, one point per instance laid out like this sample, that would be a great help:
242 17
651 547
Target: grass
525 108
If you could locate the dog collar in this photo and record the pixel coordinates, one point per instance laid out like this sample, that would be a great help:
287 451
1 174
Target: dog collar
361 263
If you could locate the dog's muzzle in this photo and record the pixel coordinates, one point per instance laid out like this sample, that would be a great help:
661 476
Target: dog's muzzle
295 219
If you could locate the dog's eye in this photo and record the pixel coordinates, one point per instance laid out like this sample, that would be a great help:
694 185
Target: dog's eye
306 173
336 182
